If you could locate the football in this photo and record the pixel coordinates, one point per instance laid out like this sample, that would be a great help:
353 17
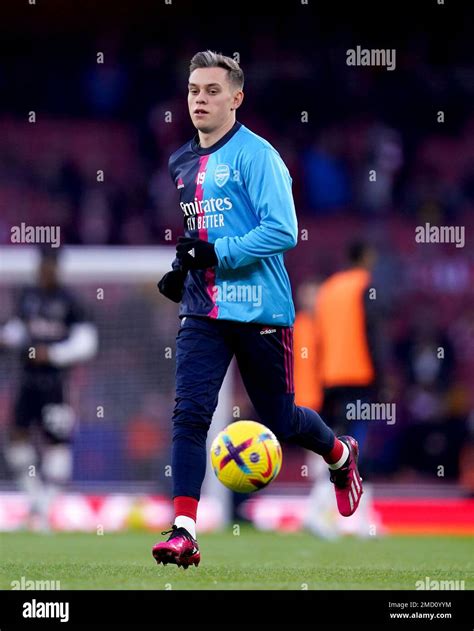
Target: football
246 456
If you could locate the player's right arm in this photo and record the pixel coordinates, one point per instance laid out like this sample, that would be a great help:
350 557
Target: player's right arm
171 285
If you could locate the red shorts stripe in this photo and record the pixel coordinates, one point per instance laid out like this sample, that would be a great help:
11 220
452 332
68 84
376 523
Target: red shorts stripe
288 358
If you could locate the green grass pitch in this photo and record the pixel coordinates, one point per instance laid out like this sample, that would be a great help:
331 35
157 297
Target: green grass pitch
250 560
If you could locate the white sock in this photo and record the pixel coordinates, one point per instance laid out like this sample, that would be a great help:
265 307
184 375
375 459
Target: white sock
57 464
21 458
56 468
182 521
342 459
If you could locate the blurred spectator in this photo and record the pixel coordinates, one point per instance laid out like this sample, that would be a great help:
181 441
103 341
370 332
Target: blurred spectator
326 177
435 425
105 80
384 160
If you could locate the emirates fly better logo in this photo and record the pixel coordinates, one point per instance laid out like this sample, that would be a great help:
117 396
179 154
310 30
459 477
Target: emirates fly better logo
202 215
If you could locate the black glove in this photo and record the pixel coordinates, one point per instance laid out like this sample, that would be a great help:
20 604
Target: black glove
195 253
172 285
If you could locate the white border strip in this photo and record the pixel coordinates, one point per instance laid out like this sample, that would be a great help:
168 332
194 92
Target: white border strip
85 263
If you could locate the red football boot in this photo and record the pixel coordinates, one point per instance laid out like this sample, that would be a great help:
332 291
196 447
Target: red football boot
181 549
347 481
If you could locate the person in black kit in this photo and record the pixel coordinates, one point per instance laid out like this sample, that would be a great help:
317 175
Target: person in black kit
51 332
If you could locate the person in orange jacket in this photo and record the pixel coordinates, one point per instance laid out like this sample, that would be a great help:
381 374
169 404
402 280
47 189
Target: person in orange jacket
348 344
341 339
308 386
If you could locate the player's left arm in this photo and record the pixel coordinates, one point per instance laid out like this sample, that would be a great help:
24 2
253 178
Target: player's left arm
268 183
82 342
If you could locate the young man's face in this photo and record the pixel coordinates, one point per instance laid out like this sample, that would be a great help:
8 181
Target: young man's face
210 98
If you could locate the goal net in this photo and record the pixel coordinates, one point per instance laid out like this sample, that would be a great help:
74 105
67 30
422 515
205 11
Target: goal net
123 398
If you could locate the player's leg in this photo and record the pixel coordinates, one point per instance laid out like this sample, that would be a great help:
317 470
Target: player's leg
57 424
20 451
337 401
320 517
265 363
265 359
203 354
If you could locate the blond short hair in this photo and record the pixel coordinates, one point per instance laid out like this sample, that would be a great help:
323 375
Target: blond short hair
211 59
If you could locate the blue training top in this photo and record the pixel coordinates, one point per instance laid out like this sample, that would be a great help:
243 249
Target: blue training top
237 195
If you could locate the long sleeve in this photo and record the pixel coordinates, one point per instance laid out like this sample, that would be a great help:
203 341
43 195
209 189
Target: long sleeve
81 345
268 184
14 333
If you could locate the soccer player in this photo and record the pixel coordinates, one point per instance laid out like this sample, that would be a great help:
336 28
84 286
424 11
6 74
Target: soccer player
229 275
52 333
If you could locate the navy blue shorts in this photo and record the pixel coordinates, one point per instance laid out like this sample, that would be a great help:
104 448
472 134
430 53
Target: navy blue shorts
264 354
40 402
